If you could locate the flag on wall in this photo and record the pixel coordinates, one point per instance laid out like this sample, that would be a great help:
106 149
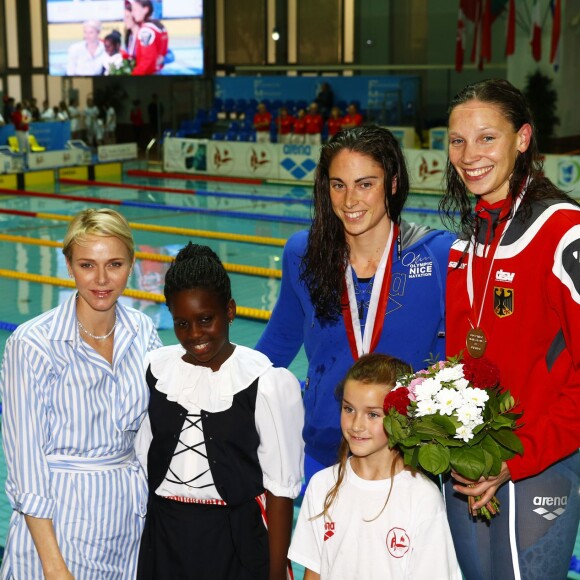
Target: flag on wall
486 33
460 40
536 32
556 8
477 30
510 45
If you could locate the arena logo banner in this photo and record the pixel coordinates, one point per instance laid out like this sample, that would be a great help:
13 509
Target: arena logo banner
298 161
125 37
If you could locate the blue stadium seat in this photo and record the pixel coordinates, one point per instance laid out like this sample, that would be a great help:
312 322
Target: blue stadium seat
218 136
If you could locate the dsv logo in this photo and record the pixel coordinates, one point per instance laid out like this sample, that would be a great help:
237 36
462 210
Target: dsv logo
559 503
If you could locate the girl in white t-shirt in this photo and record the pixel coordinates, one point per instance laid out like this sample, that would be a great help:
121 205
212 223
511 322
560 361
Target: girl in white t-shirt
369 516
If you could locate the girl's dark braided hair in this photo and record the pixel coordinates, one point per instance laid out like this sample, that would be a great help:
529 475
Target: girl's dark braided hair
197 266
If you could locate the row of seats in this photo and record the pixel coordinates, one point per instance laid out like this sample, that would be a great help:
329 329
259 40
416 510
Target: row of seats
33 144
243 106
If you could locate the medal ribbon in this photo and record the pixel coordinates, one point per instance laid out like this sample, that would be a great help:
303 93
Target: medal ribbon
360 344
492 249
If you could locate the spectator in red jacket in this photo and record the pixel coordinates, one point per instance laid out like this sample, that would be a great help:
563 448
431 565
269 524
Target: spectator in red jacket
20 121
284 125
352 118
299 131
334 122
314 124
262 122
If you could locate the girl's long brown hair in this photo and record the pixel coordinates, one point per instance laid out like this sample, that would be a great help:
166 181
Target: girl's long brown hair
370 369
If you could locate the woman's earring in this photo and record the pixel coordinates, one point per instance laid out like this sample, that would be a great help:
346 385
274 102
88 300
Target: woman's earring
231 322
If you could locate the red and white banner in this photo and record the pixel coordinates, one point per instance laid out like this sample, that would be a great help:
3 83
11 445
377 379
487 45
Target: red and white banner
510 44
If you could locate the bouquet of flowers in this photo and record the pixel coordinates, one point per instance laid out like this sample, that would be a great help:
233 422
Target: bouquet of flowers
454 415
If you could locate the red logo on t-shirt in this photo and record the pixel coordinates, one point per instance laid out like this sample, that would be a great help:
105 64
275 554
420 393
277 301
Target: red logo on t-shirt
328 530
398 542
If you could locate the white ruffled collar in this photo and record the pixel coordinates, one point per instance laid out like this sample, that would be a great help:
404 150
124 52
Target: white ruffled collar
196 387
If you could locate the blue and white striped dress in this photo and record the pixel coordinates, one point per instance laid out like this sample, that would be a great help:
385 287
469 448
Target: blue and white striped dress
70 420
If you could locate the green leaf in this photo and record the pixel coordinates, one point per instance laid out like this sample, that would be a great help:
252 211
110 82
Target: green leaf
434 458
488 462
426 426
468 462
394 430
491 447
408 456
449 441
502 421
446 423
509 440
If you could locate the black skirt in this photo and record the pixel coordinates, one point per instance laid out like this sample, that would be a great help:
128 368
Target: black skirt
188 541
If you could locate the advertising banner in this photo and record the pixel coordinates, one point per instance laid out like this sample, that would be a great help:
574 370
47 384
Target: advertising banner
185 155
117 152
48 159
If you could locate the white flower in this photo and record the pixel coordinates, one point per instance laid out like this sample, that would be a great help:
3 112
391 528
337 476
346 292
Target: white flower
426 407
464 433
475 396
427 389
448 400
451 373
469 413
461 384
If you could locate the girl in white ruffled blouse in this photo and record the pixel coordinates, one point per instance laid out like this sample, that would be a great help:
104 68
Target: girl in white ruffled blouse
222 442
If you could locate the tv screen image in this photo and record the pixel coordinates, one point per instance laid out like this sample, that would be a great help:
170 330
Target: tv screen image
125 37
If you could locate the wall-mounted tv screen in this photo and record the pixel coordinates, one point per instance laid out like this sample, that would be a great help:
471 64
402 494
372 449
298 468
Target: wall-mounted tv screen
125 37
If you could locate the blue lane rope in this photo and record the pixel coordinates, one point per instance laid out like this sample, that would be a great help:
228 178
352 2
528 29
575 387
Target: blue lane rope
219 212
8 326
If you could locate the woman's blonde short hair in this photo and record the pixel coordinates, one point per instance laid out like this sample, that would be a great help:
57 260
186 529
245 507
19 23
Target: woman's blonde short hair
98 222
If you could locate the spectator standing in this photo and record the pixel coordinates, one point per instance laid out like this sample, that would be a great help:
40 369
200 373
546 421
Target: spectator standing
34 111
299 130
334 123
63 112
284 125
324 99
155 112
73 115
90 115
110 124
137 122
47 113
20 121
314 123
262 121
9 108
352 118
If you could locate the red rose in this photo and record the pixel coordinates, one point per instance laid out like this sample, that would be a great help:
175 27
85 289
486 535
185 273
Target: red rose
480 372
399 399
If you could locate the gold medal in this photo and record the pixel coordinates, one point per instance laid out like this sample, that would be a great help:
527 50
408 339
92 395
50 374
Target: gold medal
476 342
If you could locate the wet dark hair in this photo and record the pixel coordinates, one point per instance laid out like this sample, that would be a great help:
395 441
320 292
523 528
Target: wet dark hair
327 252
512 104
197 266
